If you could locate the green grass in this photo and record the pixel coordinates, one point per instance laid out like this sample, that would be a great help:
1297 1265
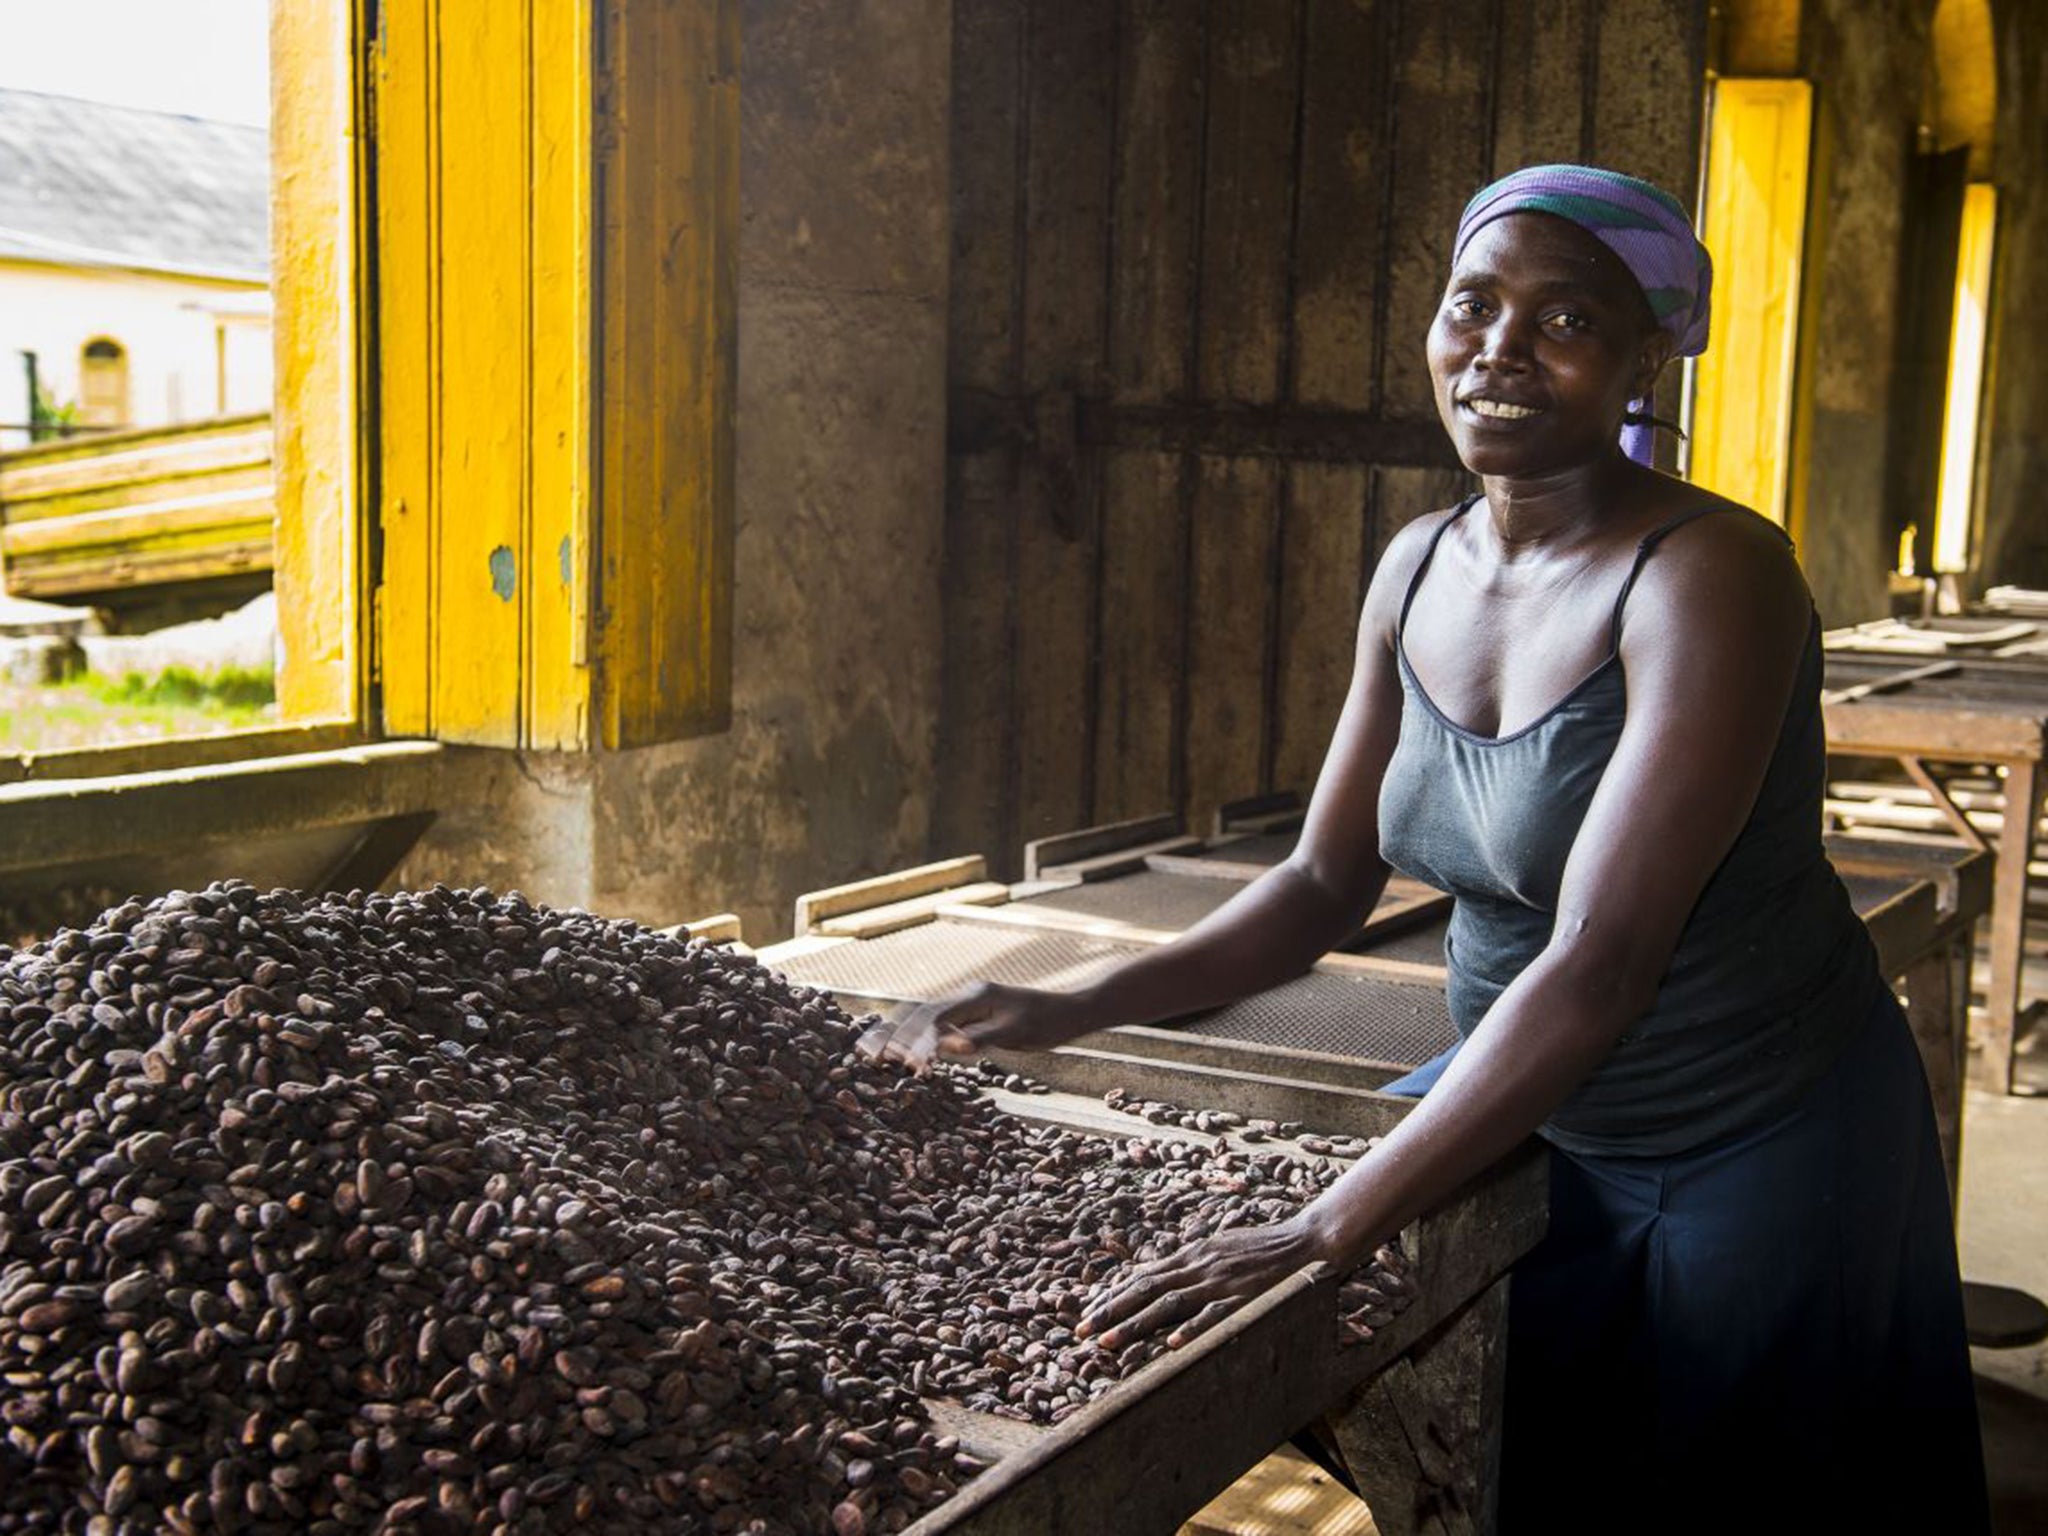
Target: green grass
99 711
229 688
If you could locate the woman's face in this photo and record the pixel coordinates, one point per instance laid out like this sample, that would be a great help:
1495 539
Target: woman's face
1542 340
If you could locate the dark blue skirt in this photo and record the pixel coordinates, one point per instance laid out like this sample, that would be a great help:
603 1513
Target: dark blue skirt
1764 1334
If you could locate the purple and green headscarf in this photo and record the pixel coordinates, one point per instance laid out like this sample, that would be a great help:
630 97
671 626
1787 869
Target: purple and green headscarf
1642 224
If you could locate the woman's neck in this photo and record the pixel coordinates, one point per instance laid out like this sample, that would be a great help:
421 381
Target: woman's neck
1539 514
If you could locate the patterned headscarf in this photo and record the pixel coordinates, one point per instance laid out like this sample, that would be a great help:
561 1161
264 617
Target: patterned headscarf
1642 224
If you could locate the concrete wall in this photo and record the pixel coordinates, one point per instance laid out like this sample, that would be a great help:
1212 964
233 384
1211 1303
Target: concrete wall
826 773
167 326
2016 464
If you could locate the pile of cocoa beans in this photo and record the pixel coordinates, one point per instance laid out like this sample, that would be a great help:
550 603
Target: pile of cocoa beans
450 1212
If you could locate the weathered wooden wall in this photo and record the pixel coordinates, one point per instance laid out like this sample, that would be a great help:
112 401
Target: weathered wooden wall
1196 247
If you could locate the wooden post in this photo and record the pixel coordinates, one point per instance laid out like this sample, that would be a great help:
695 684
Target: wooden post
2009 922
1938 1008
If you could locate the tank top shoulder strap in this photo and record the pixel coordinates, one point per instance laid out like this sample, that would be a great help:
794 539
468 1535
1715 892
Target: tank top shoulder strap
1429 554
1650 541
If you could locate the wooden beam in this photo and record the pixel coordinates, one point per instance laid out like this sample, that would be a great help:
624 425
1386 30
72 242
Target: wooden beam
64 822
981 421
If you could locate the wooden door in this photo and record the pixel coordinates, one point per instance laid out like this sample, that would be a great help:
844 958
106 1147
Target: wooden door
1197 244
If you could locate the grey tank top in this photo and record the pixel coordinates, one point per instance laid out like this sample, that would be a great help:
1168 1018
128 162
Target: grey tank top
1773 972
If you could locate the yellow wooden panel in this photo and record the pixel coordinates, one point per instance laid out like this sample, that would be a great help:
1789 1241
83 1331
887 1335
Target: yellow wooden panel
557 682
313 233
483 351
1955 517
521 223
670 220
1745 405
407 288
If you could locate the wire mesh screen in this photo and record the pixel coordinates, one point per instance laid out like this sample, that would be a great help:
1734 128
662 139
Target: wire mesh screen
1262 848
939 957
1424 945
1148 898
1370 1020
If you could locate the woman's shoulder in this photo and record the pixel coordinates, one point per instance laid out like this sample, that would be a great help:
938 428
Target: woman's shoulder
1708 558
1399 562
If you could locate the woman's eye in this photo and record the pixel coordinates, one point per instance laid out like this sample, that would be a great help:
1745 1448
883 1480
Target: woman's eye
1568 322
1468 309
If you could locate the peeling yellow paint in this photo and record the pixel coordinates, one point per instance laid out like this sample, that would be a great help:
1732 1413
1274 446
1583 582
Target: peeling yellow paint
556 346
317 417
1745 408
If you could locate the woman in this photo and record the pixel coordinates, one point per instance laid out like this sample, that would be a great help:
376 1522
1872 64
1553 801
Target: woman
1586 703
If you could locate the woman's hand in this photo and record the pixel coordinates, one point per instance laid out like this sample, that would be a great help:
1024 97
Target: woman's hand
1201 1284
1019 1018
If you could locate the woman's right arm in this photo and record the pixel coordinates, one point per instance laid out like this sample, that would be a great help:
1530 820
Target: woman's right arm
1271 931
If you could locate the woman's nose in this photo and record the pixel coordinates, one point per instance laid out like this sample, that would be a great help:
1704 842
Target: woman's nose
1504 348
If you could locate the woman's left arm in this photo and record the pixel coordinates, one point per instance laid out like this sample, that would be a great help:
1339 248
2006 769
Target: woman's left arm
1716 627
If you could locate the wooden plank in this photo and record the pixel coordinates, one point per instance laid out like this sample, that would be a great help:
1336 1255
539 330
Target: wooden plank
483 183
408 418
976 790
1541 105
1902 926
1109 837
123 529
1891 729
95 445
168 456
668 150
1233 546
75 821
1228 429
1070 79
1160 104
814 907
1322 563
977 771
178 752
2023 794
984 127
895 916
319 291
1341 205
1094 1069
1254 88
1443 56
1141 622
252 479
1650 71
1112 862
555 541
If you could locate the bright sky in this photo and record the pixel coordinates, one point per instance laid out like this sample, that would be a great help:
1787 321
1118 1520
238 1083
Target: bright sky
207 58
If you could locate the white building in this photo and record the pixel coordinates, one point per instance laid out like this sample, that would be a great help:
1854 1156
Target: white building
134 265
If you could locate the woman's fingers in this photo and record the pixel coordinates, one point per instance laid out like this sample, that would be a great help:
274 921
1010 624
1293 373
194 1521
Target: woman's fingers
1208 1317
1172 1307
1127 1298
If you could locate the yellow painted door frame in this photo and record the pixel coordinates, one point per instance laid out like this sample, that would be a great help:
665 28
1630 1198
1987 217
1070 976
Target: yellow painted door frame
1958 519
1749 402
319 411
557 224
